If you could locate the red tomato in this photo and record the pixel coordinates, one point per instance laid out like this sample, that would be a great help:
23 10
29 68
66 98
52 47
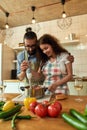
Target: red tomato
32 106
58 104
53 111
41 110
45 102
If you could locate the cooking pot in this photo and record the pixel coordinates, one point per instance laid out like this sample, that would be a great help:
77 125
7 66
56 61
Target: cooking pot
35 91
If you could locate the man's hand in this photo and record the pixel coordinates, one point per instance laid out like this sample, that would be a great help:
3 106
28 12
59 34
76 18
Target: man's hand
24 65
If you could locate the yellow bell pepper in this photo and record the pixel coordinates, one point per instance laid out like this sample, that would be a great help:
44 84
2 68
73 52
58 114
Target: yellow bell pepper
28 100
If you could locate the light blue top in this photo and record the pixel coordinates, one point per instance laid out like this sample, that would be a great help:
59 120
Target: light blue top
24 56
34 64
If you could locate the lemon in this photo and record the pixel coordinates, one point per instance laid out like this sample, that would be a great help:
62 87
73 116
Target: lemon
8 105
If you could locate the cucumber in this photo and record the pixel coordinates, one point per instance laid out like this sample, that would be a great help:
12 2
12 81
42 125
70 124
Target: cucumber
85 111
13 124
5 114
27 117
74 122
2 103
0 109
78 115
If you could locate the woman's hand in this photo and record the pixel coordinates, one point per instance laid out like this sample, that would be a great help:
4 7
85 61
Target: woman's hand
52 87
71 58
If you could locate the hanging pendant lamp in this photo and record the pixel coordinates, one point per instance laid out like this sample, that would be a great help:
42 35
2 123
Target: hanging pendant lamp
7 25
65 20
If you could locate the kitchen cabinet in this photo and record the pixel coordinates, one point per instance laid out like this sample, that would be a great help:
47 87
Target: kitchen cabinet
74 92
6 65
0 62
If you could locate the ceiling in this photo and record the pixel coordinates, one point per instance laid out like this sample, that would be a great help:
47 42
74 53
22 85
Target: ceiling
21 13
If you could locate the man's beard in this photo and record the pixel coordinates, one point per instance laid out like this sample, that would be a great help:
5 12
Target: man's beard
32 53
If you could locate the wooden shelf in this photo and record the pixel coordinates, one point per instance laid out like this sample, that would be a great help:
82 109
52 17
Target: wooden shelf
14 61
66 42
70 42
19 48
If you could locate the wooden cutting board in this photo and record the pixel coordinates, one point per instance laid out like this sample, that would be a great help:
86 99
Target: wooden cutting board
58 97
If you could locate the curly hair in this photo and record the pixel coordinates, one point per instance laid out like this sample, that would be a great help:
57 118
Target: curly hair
53 42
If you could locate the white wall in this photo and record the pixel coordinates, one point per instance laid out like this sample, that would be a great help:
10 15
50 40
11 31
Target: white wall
14 36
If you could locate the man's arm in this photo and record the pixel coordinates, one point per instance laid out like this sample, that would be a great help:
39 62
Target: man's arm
21 76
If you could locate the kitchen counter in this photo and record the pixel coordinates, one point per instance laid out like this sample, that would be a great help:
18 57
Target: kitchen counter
46 123
12 80
16 80
83 79
13 86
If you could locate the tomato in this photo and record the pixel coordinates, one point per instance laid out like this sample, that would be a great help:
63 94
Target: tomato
32 106
45 102
28 100
53 111
41 110
58 105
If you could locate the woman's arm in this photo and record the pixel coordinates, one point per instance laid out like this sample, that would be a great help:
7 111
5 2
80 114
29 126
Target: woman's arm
64 79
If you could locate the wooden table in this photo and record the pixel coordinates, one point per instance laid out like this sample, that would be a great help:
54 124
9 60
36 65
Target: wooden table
46 123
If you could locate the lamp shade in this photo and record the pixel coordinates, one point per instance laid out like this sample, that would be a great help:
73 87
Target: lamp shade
33 20
6 25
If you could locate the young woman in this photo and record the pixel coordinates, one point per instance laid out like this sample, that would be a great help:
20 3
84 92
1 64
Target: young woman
56 67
